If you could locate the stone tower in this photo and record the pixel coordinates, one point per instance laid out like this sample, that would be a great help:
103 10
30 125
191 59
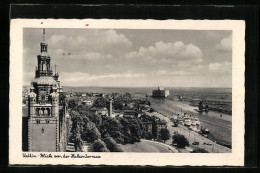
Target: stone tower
110 109
43 106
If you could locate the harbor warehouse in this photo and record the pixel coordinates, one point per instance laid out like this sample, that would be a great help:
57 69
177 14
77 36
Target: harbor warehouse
161 92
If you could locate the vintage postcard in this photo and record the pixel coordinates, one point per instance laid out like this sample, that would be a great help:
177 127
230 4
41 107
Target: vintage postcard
127 92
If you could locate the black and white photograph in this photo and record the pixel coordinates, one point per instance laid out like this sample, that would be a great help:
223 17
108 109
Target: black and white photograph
99 89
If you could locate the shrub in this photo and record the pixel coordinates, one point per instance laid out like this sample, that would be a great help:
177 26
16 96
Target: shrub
199 150
180 140
112 145
164 134
99 146
149 135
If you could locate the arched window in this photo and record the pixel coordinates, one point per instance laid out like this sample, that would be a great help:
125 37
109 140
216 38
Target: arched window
37 111
49 112
45 112
40 112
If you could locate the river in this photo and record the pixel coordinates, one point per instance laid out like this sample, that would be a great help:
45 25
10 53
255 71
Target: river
220 127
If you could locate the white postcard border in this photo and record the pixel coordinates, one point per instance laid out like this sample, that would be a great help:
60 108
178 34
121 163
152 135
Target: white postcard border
236 158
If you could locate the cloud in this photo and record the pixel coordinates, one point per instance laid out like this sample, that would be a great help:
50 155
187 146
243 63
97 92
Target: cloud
173 73
221 67
225 44
162 52
104 39
79 76
82 55
112 37
57 39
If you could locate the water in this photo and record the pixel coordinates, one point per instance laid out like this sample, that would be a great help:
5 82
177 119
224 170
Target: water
222 94
220 128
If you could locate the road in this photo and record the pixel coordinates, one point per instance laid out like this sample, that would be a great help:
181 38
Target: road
147 146
191 136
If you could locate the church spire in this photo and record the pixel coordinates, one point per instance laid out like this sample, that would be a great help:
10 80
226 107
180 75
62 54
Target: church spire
44 45
44 60
43 36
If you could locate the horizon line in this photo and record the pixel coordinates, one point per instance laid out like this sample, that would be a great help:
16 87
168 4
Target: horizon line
142 86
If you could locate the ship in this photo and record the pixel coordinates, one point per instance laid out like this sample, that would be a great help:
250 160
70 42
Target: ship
202 107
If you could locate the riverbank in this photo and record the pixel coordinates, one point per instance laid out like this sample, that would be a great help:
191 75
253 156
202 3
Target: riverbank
204 143
220 127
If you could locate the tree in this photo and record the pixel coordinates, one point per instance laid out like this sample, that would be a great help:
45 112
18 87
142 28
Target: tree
118 105
149 135
99 146
76 130
91 132
112 127
100 103
164 134
112 145
72 104
180 141
78 143
76 138
199 150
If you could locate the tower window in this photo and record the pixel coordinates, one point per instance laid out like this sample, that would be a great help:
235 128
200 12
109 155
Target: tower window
42 130
45 112
38 121
40 112
47 121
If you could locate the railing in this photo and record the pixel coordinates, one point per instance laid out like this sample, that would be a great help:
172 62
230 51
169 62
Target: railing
43 73
42 102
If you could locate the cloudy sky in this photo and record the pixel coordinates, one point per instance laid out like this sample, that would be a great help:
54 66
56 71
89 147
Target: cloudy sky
133 58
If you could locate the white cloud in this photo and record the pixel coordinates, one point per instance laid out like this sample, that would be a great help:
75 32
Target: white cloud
96 56
57 39
82 55
169 52
112 37
109 38
220 67
225 44
173 73
79 76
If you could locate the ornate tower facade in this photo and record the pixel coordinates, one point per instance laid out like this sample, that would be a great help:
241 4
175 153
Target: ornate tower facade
45 113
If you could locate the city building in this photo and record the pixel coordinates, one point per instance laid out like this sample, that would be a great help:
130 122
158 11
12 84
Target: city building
148 126
130 113
102 111
87 102
45 125
161 124
161 92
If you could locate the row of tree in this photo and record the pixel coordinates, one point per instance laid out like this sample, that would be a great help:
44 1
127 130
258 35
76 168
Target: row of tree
105 133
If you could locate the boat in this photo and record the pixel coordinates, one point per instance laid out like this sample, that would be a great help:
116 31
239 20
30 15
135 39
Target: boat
204 132
202 107
196 121
198 110
187 121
